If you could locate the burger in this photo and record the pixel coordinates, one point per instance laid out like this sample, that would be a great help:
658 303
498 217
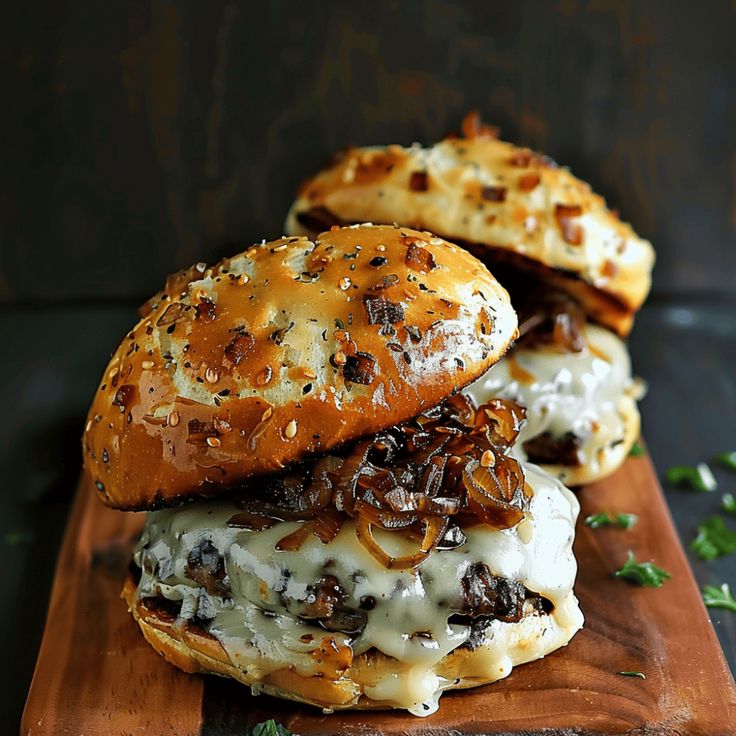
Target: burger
575 272
329 518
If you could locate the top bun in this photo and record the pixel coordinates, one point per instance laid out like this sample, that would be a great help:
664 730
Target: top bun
506 204
291 348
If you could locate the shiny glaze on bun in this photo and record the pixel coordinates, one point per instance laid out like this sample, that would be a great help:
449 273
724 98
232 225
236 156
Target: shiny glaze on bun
506 204
288 349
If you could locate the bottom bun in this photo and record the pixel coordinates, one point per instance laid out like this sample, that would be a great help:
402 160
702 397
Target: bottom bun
366 682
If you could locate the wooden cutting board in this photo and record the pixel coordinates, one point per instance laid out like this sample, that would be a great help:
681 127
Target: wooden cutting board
95 674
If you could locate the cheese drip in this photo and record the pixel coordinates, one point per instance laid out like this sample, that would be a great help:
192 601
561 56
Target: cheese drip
587 393
409 620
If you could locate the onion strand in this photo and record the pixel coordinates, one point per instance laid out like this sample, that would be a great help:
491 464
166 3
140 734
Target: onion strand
447 467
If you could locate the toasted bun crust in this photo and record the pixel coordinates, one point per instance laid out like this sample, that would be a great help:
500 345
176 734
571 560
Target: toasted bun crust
290 348
534 636
497 199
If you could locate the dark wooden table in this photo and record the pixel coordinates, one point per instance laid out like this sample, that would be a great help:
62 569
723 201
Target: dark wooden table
53 358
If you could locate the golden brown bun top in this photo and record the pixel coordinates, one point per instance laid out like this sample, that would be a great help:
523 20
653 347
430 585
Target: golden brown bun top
288 349
481 191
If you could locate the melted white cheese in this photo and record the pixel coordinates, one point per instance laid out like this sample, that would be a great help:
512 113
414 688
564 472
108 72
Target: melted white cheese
537 553
567 392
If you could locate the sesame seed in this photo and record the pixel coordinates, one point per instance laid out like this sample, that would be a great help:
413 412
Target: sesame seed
344 283
290 431
381 247
487 459
213 442
173 419
279 248
264 376
222 425
212 375
201 294
147 365
340 358
243 279
308 373
267 414
89 425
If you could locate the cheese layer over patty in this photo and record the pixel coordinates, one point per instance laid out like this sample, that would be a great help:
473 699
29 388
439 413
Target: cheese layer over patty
590 394
254 618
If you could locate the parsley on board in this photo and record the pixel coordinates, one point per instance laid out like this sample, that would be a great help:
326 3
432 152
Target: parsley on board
14 538
728 503
728 459
646 574
699 477
719 597
621 520
269 728
637 450
714 539
640 675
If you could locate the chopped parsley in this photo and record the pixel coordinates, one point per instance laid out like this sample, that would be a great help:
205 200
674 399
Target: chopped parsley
269 728
728 503
637 450
14 538
728 459
699 477
719 597
714 539
621 520
640 675
646 574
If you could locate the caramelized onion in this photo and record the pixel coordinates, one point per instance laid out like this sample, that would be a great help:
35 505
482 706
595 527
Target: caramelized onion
252 522
552 318
460 407
292 497
439 506
435 528
319 493
431 449
424 480
491 497
503 418
292 542
385 519
325 527
347 477
328 524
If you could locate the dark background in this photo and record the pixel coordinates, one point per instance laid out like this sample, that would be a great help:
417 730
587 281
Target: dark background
138 137
143 136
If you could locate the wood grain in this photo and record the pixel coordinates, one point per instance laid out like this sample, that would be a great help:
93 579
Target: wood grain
95 674
170 131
